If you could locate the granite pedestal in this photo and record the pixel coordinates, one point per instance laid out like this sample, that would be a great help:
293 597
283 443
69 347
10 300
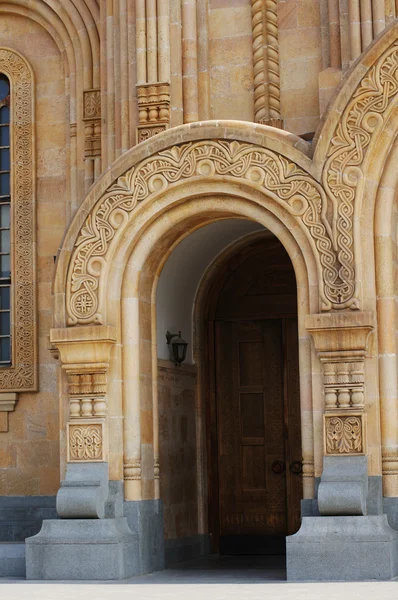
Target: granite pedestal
350 548
85 549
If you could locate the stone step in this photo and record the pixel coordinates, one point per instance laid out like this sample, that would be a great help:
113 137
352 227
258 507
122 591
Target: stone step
12 559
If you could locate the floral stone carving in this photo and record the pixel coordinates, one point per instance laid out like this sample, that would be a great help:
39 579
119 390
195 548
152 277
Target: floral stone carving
344 434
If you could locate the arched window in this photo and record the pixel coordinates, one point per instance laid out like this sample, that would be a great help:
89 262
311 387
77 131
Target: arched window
18 323
5 222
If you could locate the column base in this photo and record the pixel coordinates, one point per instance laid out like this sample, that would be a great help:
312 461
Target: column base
82 549
354 548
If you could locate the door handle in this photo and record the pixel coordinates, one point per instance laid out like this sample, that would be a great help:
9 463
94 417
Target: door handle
278 467
296 467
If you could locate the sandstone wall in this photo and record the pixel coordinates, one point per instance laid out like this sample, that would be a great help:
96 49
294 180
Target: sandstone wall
29 450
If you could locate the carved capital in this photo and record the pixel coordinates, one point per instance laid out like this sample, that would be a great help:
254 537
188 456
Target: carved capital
340 334
80 346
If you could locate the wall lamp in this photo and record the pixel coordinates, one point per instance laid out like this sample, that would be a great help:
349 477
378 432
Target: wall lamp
177 347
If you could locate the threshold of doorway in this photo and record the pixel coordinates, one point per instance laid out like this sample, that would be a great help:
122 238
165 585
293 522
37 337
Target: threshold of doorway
222 569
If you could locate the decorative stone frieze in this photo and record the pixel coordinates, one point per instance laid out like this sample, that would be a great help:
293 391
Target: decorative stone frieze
153 109
92 119
341 342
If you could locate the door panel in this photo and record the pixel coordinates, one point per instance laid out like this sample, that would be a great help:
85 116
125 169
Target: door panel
254 370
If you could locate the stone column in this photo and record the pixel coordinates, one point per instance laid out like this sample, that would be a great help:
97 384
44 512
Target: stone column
340 544
341 343
267 105
153 67
91 540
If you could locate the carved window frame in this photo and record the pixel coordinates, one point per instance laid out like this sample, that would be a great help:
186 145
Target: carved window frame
21 375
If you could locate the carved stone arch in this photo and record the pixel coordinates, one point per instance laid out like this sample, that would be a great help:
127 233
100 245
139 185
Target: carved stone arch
250 156
352 145
22 374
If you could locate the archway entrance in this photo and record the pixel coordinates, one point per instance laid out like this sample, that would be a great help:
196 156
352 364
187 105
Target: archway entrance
254 409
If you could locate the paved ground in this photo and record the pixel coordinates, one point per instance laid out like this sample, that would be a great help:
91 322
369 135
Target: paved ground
213 578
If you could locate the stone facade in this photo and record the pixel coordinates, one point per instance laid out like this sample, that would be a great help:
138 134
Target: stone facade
133 124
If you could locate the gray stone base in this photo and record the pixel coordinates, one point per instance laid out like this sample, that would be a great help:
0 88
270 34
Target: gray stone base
145 519
85 549
22 516
355 548
390 507
186 548
12 559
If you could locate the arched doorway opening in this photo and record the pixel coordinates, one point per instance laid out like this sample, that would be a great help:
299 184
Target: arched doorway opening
253 414
229 284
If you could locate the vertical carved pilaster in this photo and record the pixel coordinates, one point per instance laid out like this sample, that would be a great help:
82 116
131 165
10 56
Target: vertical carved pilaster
261 108
274 93
341 342
84 355
92 119
87 412
153 109
267 108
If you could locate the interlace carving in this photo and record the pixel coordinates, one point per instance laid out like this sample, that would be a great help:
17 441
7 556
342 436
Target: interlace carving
22 375
85 442
343 434
275 175
342 173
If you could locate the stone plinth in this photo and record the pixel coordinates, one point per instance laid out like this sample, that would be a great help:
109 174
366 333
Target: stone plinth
12 559
85 549
343 549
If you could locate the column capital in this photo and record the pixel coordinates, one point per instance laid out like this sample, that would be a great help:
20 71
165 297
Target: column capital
341 334
87 345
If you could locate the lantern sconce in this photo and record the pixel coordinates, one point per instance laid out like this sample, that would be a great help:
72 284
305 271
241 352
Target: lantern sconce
177 347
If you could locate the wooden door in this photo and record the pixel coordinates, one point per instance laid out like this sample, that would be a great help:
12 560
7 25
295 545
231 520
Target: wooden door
258 434
257 441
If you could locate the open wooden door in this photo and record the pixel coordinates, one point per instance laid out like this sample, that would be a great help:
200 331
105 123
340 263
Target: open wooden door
257 405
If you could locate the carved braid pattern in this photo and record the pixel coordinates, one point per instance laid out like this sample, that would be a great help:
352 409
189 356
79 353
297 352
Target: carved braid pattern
271 19
258 33
22 375
265 170
342 172
85 442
